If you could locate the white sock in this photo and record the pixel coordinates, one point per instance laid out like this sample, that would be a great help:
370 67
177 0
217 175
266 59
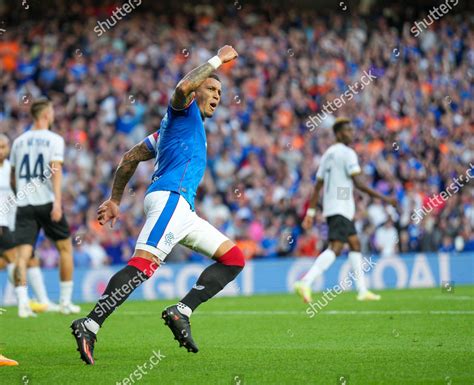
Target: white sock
10 271
65 293
184 309
322 263
355 258
91 325
22 296
35 278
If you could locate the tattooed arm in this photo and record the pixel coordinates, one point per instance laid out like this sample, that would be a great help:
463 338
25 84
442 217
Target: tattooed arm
184 91
127 166
109 210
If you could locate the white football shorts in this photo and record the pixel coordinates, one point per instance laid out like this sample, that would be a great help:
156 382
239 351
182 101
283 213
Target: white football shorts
169 221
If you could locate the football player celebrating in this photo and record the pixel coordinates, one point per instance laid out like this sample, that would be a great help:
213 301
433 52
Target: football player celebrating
180 152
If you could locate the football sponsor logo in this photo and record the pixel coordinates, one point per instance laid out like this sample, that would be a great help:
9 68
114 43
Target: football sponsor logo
198 287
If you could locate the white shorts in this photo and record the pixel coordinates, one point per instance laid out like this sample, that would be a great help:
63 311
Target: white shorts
169 221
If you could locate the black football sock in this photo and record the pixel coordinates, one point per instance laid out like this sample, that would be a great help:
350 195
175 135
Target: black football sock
120 286
211 281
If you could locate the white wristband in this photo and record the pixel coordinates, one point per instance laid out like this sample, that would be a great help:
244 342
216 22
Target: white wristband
215 62
311 213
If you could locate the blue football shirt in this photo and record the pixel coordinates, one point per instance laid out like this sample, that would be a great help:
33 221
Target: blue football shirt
180 149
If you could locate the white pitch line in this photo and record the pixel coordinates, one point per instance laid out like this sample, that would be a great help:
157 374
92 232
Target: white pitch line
454 298
321 312
395 312
452 312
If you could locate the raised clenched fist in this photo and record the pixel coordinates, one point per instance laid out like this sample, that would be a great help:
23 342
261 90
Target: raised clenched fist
227 54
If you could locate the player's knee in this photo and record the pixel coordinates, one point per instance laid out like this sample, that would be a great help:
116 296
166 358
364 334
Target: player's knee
354 243
233 257
10 255
23 257
336 247
64 245
355 246
34 262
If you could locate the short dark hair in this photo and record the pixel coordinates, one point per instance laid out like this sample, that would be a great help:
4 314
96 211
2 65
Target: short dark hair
214 76
38 106
339 124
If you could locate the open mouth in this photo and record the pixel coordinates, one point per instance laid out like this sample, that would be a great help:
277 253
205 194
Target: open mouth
213 105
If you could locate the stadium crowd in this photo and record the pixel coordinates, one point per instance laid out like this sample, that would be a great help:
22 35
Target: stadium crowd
413 123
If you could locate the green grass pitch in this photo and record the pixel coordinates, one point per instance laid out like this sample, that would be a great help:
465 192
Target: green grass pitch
422 336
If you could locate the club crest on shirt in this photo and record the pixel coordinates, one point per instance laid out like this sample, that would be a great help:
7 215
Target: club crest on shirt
169 239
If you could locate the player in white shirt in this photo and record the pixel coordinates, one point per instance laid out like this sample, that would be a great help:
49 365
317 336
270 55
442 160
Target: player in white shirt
36 159
7 244
338 172
7 206
7 238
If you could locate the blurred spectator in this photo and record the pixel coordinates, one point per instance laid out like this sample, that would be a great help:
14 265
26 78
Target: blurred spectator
447 244
376 213
307 245
386 239
81 257
95 252
365 238
414 122
48 254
